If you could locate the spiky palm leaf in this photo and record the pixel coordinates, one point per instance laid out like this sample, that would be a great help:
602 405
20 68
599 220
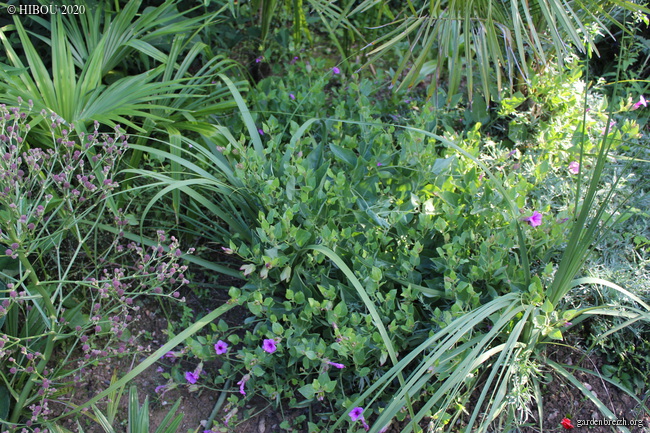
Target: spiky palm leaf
498 41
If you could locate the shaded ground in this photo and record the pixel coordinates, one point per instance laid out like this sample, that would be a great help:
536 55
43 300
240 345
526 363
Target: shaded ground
561 399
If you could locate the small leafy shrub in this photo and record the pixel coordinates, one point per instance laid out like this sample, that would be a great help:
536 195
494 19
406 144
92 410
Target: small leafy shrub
369 247
67 288
311 87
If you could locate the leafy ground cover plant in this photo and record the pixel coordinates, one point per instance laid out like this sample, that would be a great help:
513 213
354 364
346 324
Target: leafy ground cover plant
357 219
66 291
535 317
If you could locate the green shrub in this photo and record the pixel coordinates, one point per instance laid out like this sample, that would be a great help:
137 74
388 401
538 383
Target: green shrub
372 246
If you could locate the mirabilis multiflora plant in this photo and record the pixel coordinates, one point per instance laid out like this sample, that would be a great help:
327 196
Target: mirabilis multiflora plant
486 378
64 287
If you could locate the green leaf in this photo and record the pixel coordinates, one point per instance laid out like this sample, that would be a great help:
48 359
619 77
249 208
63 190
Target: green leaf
286 274
222 326
441 164
302 237
255 308
345 155
307 391
4 402
547 307
375 274
291 187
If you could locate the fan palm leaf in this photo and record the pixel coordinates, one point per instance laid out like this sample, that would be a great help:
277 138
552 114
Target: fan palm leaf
500 41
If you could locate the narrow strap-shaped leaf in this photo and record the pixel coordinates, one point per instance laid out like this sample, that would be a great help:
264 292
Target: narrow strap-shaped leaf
246 117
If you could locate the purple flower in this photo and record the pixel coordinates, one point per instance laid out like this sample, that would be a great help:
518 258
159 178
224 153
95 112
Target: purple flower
221 347
261 131
159 389
356 413
574 167
379 164
292 96
269 345
242 383
335 364
534 220
642 102
336 70
191 377
259 59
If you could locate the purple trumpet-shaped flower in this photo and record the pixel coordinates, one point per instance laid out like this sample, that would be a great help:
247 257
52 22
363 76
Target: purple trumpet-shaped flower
335 364
356 414
242 383
269 345
642 103
534 220
191 377
221 347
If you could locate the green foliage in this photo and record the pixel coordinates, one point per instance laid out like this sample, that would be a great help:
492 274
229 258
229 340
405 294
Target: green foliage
502 43
392 261
350 217
177 95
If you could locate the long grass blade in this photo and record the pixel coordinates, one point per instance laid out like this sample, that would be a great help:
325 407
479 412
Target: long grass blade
154 357
246 117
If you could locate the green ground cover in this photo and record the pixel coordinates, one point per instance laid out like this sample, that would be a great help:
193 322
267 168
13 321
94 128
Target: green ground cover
404 233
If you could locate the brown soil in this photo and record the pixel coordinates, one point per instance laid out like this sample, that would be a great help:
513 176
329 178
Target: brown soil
194 406
563 400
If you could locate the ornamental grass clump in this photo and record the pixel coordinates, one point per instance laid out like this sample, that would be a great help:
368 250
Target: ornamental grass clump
67 288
